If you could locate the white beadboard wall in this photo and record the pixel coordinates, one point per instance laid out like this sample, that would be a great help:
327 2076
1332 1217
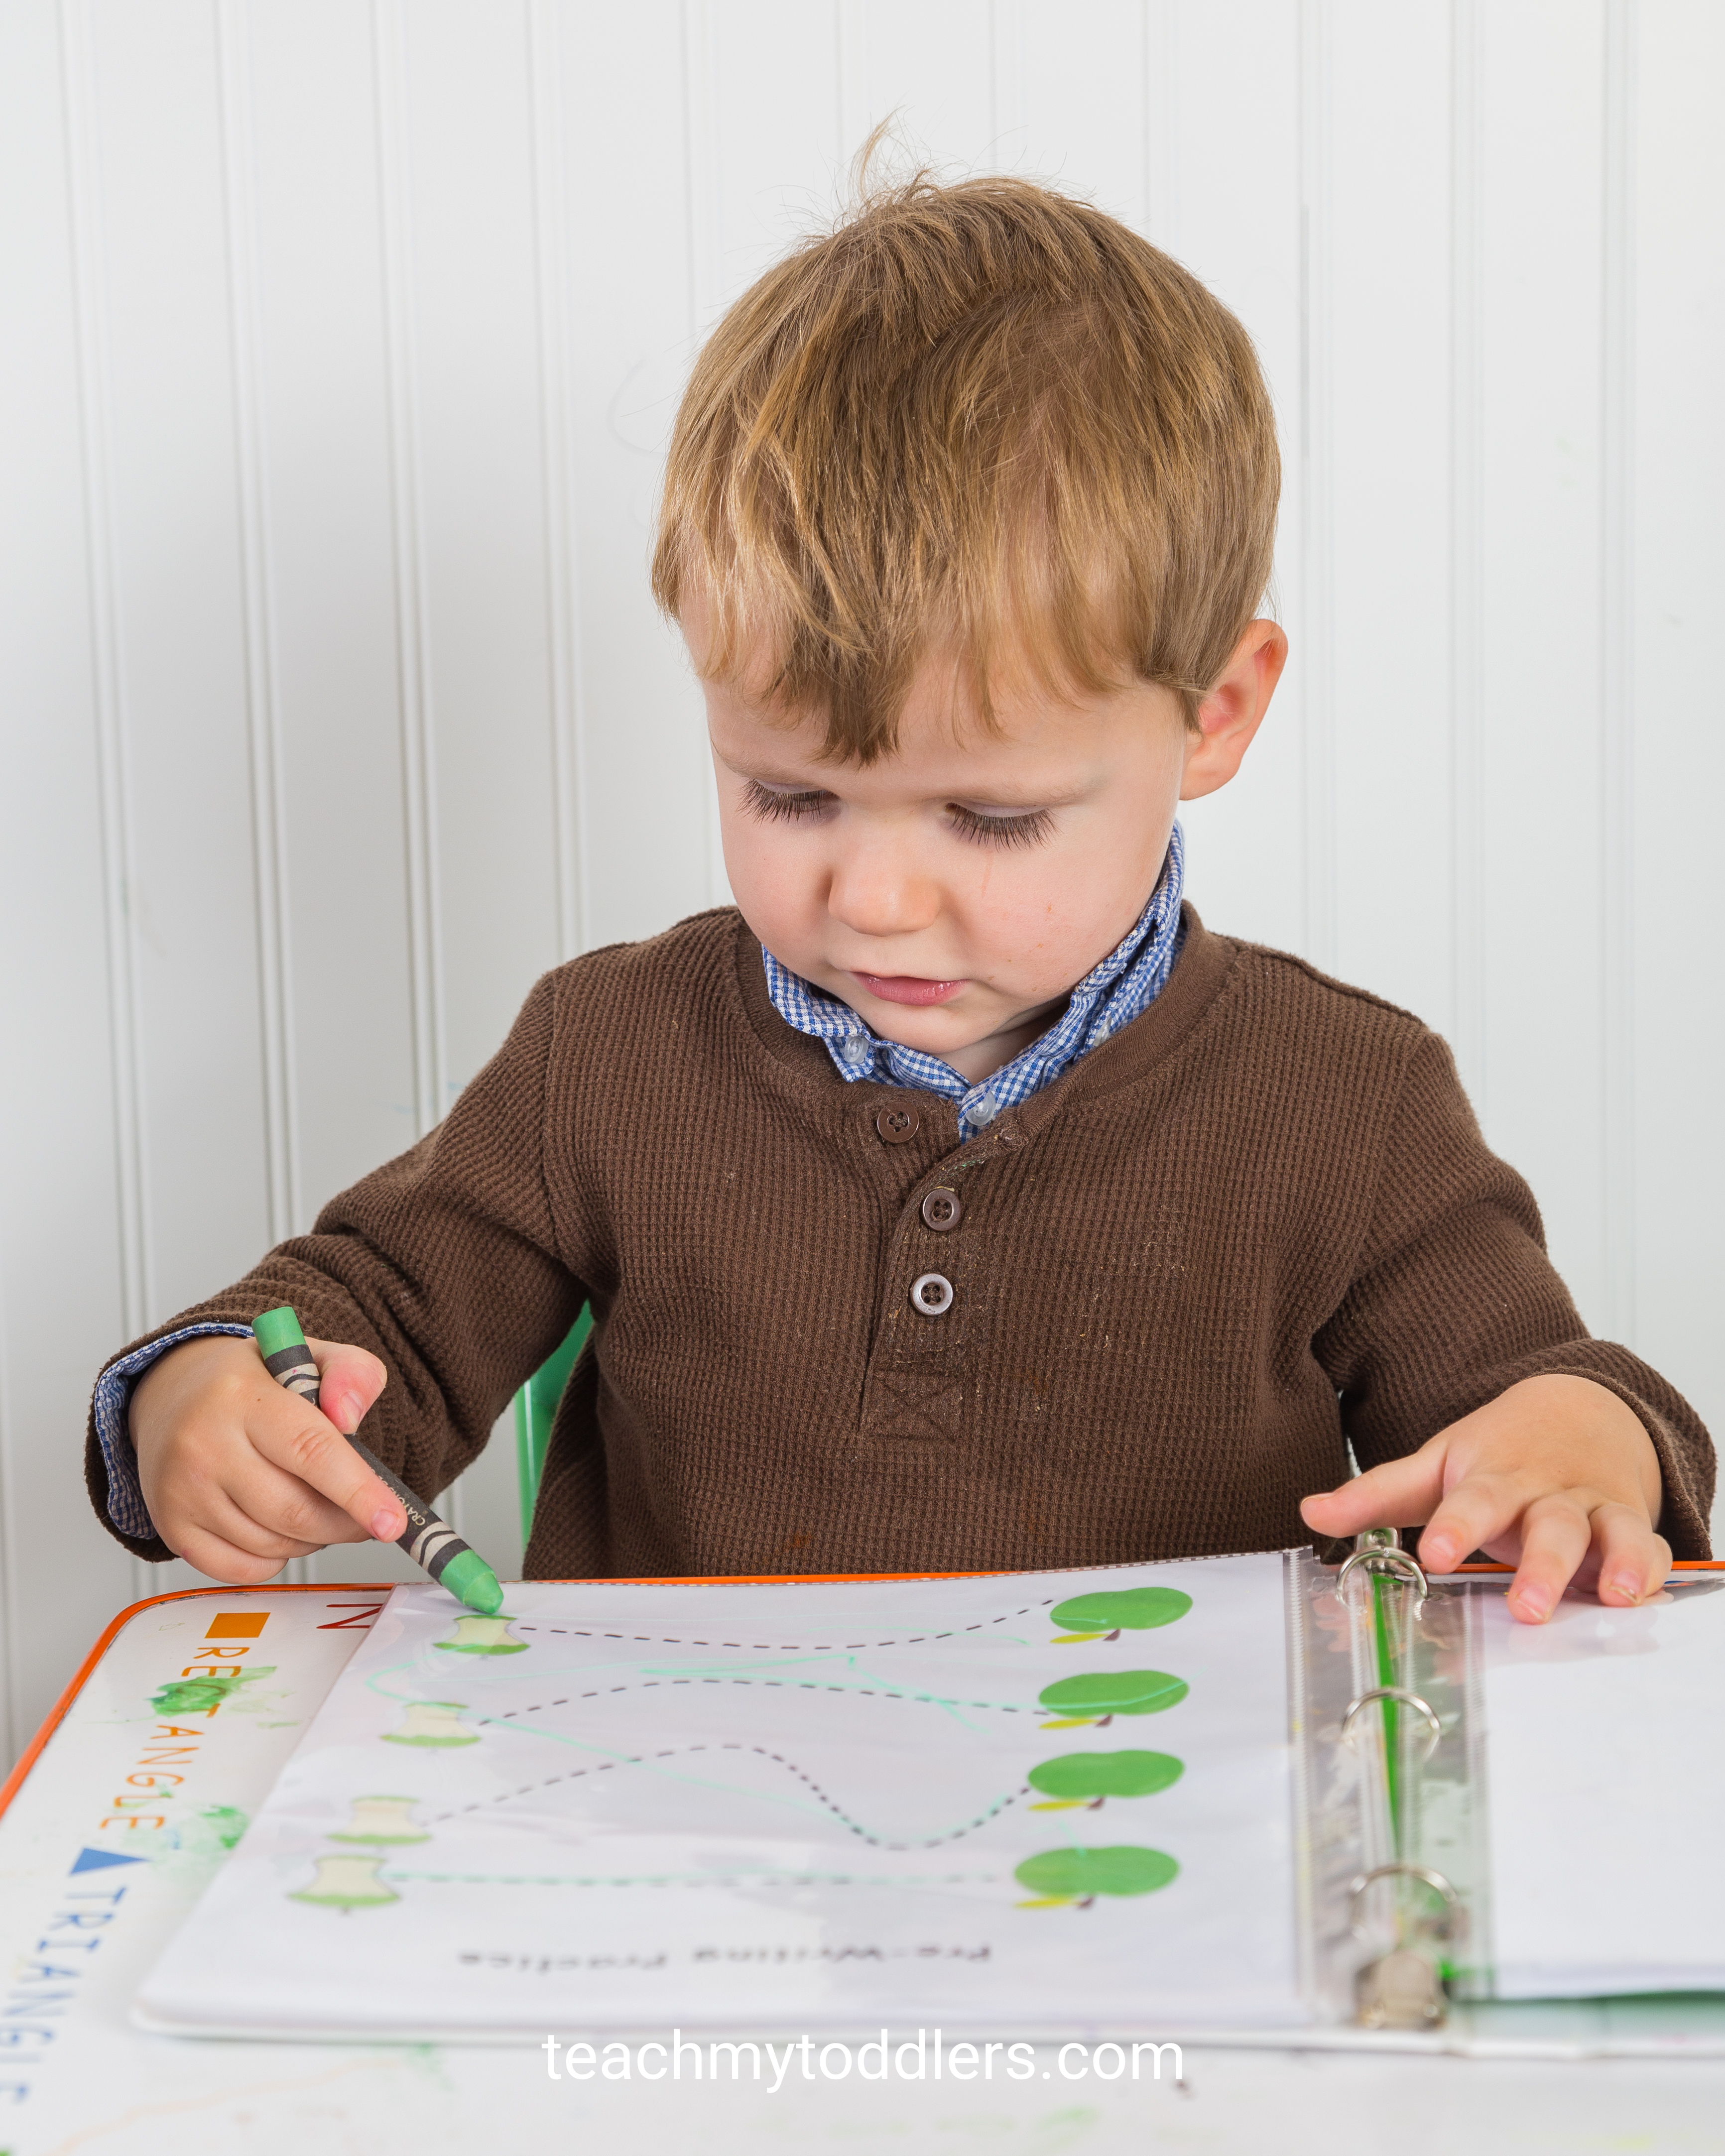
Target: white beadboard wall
338 345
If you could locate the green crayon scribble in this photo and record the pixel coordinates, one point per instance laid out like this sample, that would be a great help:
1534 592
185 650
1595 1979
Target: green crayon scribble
207 1835
346 1882
483 1636
433 1722
198 1695
225 1824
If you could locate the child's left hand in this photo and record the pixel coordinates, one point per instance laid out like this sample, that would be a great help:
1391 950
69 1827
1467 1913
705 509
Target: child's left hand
1556 1477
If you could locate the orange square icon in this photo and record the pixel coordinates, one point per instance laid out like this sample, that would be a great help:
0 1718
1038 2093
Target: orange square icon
235 1626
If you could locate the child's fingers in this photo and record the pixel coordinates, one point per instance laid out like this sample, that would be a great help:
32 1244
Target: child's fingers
309 1448
1556 1535
1477 1510
1567 1534
218 1559
349 1382
217 1536
1398 1494
259 1505
1634 1561
226 1453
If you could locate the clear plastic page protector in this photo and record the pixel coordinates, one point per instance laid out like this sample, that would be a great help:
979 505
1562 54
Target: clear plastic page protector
1602 1765
1036 1800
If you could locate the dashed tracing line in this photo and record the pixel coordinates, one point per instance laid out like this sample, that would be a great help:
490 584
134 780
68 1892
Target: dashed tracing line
782 1647
698 1878
770 1684
760 1751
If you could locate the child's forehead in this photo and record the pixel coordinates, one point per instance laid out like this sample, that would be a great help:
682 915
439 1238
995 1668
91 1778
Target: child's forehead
1034 743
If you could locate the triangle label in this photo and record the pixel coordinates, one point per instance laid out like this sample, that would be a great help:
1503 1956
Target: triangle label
98 1859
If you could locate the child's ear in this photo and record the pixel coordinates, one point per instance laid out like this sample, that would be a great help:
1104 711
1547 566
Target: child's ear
1229 716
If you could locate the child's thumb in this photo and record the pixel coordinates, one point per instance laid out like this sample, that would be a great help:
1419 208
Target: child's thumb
350 1380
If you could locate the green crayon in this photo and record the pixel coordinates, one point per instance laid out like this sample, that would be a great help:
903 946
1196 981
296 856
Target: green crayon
428 1541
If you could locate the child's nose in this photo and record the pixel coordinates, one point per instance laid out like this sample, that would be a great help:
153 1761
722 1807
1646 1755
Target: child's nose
879 889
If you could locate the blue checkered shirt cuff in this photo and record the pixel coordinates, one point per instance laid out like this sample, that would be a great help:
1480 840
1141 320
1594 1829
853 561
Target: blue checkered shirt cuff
126 1508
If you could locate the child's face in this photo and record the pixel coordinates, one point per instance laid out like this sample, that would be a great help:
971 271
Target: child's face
953 892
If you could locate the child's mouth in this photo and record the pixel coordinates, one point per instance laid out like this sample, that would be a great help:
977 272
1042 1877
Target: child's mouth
908 988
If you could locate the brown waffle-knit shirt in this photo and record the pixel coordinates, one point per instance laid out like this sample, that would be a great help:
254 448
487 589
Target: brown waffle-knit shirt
1259 1223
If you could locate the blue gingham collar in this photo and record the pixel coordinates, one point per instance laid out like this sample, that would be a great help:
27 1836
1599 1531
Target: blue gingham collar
1110 996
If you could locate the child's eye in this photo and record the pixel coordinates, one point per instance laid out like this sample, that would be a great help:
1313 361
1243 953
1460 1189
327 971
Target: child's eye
1028 829
773 804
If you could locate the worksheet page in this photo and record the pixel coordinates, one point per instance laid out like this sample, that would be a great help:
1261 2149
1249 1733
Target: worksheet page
1605 1761
1034 1800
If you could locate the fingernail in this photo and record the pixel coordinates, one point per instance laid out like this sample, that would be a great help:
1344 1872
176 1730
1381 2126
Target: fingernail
386 1525
1535 1603
1628 1587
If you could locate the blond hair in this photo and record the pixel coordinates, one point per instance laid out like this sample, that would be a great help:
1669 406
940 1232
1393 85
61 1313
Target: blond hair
982 419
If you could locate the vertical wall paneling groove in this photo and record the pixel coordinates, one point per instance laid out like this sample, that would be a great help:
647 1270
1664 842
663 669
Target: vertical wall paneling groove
1467 556
706 281
1161 161
413 641
1617 509
114 804
1678 558
856 116
1315 613
1006 83
556 371
14 1733
414 673
273 898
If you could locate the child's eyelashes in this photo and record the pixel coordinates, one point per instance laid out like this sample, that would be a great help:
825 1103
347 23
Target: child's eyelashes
1029 829
778 804
791 805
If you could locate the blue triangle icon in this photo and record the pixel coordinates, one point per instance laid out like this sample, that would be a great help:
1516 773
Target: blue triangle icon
98 1859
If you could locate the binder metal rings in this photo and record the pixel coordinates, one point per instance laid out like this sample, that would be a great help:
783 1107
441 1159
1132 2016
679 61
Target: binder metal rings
1403 1698
1400 1564
1423 1872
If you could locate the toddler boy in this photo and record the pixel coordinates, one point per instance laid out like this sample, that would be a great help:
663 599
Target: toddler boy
957 1200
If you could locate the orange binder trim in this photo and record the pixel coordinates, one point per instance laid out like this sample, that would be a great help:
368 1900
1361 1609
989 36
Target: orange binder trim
1678 1565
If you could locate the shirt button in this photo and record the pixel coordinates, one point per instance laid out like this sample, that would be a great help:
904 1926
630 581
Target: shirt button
942 1209
854 1049
896 1125
931 1293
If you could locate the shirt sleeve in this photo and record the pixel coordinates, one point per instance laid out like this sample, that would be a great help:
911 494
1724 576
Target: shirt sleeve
1454 1300
445 1264
126 1509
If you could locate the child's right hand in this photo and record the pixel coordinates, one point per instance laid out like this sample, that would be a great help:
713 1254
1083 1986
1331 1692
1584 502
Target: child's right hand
239 1474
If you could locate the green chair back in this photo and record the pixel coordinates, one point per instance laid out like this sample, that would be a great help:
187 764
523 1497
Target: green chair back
536 1408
